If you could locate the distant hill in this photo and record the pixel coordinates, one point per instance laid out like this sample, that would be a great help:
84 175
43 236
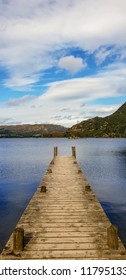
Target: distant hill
35 130
111 126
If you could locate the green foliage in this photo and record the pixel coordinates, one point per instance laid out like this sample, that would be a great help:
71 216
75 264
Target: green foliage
37 131
110 126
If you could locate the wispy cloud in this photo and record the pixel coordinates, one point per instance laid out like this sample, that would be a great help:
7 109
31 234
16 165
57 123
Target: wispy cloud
21 83
40 39
70 101
115 53
104 84
20 101
32 32
103 53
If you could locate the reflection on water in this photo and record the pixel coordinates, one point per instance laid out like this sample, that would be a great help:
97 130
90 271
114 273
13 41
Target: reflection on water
23 163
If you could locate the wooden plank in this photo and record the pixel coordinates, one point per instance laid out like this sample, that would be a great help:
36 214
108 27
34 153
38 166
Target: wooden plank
66 234
61 240
72 254
64 246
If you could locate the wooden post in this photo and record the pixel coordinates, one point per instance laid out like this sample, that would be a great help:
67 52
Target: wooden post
87 188
55 151
74 152
43 189
112 237
79 171
49 170
18 240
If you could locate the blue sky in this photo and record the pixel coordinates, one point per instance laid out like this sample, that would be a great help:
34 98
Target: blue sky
61 62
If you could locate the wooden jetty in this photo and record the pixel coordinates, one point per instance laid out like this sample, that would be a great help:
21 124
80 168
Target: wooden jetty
64 220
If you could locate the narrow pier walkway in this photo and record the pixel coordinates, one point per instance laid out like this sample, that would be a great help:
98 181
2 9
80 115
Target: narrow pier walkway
64 219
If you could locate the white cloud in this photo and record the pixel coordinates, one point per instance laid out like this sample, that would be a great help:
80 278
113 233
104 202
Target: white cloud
20 83
65 99
20 101
71 63
105 109
102 54
31 32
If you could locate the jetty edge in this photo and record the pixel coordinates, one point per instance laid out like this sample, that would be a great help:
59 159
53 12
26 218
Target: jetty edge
64 220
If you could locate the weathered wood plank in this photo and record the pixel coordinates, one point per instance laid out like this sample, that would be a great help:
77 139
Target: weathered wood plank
72 254
64 246
68 239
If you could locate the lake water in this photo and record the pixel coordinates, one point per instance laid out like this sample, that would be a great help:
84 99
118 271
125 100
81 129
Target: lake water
23 163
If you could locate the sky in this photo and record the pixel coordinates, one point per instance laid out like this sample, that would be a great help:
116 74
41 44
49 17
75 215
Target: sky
61 61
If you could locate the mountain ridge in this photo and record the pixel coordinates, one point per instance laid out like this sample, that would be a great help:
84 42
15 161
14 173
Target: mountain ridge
32 130
113 125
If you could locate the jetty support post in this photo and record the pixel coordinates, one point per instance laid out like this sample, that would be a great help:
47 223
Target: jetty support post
55 152
18 240
74 152
112 237
43 189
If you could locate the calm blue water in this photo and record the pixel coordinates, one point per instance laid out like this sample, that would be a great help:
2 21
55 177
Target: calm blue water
23 163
